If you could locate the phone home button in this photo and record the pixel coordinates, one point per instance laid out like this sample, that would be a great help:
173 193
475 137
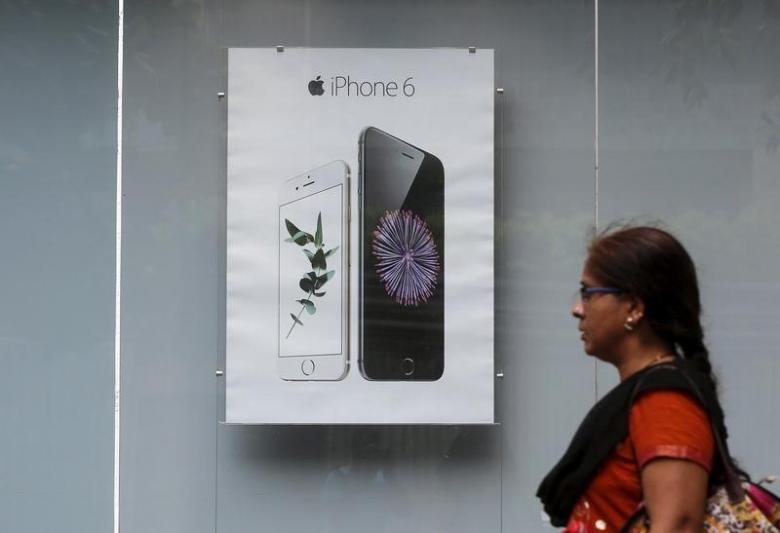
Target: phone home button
407 366
307 367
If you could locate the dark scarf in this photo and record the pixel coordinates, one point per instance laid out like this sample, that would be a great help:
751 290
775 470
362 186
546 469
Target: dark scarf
606 425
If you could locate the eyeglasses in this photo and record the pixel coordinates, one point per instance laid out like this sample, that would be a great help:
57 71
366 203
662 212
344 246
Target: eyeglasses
584 293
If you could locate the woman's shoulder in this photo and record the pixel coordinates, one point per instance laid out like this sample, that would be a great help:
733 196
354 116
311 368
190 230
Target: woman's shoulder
672 395
672 424
661 403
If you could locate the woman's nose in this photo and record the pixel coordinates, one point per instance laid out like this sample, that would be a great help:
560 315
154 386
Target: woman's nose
576 310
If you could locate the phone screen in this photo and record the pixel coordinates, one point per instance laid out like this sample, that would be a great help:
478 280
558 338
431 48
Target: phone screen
402 260
311 263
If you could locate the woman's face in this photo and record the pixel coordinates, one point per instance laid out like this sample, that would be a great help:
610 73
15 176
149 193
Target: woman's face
601 317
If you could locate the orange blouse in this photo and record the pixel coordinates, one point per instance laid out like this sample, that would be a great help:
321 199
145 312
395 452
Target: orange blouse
663 423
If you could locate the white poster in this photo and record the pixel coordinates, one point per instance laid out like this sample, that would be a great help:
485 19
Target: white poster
359 236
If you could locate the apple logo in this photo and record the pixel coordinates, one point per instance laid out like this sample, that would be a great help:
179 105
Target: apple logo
315 87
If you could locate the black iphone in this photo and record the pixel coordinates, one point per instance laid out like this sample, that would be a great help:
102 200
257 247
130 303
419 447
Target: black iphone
401 297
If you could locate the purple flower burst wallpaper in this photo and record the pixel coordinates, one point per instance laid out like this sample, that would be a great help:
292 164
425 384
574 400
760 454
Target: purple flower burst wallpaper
407 260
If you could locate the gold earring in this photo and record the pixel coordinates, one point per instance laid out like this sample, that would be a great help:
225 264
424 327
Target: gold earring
629 324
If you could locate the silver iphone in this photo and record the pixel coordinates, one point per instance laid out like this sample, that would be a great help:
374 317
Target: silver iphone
313 266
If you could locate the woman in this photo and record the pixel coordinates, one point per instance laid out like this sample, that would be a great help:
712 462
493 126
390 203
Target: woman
648 443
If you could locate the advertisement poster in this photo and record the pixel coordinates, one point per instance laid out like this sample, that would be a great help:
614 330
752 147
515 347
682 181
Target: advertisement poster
359 236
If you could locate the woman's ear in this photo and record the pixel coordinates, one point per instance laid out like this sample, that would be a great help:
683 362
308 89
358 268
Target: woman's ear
636 309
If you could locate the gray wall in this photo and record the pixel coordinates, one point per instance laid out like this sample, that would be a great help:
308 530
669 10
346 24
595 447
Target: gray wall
689 97
57 197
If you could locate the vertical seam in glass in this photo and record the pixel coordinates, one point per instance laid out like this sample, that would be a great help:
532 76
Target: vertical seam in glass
596 152
118 259
596 116
501 259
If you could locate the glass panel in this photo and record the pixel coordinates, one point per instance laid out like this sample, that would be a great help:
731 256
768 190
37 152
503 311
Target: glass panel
545 211
400 478
173 246
57 198
690 100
